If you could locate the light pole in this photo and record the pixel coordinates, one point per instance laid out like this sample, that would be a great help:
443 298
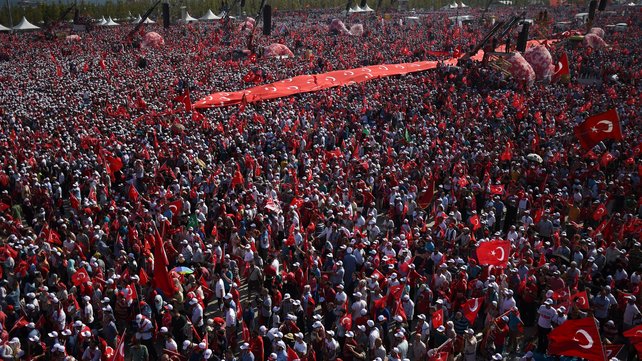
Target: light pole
10 14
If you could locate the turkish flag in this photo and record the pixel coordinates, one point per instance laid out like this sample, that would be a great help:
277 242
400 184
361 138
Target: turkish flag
612 350
579 338
606 159
581 299
598 128
494 253
292 355
562 69
133 193
439 356
471 308
161 278
424 200
474 221
399 311
497 189
238 178
438 318
634 335
79 277
600 212
115 163
75 202
143 277
119 354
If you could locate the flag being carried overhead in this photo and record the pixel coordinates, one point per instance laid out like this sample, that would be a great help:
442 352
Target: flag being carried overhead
579 338
494 253
598 128
562 70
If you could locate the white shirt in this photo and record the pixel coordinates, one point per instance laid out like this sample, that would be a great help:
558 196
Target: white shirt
630 313
546 315
301 347
230 317
197 315
171 345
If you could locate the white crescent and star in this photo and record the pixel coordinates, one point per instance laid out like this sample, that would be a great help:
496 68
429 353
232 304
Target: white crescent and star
499 249
473 309
330 78
589 339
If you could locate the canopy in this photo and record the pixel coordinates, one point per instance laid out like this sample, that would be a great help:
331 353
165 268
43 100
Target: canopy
209 15
367 8
462 5
24 24
4 28
358 9
149 21
188 18
137 20
102 21
111 22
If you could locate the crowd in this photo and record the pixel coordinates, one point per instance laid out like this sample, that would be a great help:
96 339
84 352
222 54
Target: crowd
336 225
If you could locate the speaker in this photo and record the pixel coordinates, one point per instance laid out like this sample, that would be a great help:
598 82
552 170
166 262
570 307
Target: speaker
267 20
363 3
602 5
522 38
592 7
166 15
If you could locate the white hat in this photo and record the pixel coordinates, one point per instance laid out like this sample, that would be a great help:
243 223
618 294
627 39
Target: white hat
330 332
186 344
548 301
164 330
66 332
370 323
441 328
228 296
316 324
193 301
207 354
53 334
349 334
245 346
399 334
498 356
202 346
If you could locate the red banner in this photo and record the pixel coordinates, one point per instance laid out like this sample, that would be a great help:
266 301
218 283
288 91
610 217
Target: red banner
311 83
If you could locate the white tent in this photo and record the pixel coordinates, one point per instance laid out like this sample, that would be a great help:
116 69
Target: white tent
209 15
367 8
462 5
111 22
24 24
149 21
188 18
137 20
4 28
101 22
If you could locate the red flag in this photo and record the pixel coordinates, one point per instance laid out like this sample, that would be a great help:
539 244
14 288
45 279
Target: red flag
579 338
238 177
497 189
75 202
424 200
494 253
399 311
598 128
507 154
143 277
79 277
612 350
292 355
22 322
246 333
471 308
634 335
438 318
115 163
439 356
119 354
562 69
185 99
133 193
606 159
3 207
161 278
474 221
600 212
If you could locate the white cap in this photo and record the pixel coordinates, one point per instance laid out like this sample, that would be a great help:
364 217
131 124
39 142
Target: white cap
245 346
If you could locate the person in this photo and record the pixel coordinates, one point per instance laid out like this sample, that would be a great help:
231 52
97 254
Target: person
470 345
138 351
546 314
246 353
632 314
